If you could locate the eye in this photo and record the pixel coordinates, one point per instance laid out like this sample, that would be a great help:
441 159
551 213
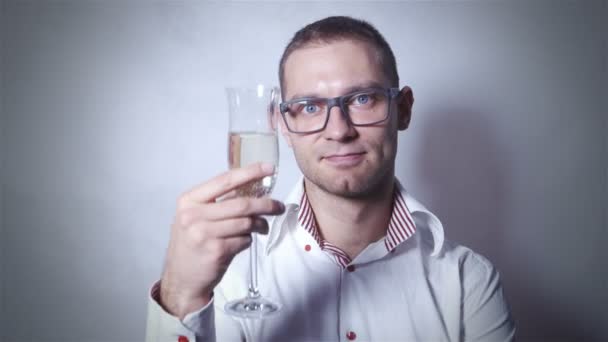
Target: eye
307 107
365 99
362 99
311 108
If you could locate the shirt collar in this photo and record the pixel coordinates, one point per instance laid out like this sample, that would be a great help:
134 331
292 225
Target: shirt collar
401 226
426 217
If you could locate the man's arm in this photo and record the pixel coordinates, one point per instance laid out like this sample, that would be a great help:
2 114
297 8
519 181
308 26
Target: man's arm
486 315
205 236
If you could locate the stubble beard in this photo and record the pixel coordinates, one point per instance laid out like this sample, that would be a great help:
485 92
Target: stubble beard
354 185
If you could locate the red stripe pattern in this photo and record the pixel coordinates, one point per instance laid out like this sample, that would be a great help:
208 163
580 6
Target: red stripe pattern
400 228
155 292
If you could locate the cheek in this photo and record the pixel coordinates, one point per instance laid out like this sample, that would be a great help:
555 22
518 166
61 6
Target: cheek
388 144
286 134
302 149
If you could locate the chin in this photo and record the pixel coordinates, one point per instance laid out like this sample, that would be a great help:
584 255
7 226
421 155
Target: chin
350 186
350 191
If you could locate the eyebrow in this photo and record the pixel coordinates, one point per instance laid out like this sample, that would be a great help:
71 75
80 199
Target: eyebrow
351 89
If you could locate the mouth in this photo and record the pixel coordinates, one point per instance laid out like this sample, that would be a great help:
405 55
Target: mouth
346 159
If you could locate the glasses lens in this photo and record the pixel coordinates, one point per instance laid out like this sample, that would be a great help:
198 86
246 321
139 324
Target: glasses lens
305 115
367 107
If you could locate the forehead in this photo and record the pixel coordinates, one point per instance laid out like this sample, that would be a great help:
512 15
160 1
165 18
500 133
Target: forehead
327 69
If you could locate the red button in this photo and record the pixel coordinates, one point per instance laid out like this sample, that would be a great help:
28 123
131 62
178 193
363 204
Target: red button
350 268
307 248
351 335
182 339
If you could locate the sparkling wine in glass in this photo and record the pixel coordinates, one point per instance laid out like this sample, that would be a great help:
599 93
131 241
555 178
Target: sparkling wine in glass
251 147
252 138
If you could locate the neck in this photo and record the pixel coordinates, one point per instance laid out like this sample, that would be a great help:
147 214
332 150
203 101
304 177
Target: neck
351 224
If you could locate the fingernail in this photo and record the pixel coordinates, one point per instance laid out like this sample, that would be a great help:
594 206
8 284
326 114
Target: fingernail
267 167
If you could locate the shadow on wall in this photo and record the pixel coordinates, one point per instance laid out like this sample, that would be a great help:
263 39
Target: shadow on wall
466 171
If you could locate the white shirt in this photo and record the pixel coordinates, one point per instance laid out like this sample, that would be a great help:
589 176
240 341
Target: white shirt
411 285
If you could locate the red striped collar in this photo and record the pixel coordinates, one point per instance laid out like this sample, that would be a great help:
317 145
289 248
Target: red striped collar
400 228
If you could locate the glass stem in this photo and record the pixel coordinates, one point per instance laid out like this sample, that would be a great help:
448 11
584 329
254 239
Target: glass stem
253 268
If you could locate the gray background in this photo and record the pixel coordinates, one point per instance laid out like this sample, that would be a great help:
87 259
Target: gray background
111 109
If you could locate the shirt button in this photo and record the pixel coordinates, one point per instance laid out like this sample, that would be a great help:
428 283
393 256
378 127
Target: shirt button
350 268
307 248
182 339
351 335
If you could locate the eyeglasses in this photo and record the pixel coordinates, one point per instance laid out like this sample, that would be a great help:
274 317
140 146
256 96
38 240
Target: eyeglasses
364 107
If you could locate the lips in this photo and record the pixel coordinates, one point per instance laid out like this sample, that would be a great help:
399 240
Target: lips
344 159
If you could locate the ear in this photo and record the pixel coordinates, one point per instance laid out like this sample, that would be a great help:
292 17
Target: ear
405 101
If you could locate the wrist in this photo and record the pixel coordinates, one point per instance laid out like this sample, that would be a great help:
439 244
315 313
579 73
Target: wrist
179 305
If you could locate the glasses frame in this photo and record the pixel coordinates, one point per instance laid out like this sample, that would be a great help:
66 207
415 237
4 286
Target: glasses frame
339 102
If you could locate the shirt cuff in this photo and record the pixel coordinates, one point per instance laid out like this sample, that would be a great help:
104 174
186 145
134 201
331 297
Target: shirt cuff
162 326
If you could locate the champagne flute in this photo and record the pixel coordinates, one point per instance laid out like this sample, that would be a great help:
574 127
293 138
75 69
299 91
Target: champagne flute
252 138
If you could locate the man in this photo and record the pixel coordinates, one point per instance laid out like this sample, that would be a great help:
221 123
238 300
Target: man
351 255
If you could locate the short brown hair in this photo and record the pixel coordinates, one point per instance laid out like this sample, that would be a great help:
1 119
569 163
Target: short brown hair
337 28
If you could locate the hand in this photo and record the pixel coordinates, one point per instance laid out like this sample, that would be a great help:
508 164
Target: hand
206 235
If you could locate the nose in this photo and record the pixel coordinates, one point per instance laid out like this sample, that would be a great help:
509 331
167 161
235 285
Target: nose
338 126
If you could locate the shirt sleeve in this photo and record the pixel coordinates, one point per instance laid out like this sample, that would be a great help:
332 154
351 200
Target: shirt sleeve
197 326
486 315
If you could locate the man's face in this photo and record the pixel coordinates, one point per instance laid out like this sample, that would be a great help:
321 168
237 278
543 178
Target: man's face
343 160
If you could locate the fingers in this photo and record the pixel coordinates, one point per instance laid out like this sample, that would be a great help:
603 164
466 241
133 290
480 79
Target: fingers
233 208
241 207
230 194
230 180
242 226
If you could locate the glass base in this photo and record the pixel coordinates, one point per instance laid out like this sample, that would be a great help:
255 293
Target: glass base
249 307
